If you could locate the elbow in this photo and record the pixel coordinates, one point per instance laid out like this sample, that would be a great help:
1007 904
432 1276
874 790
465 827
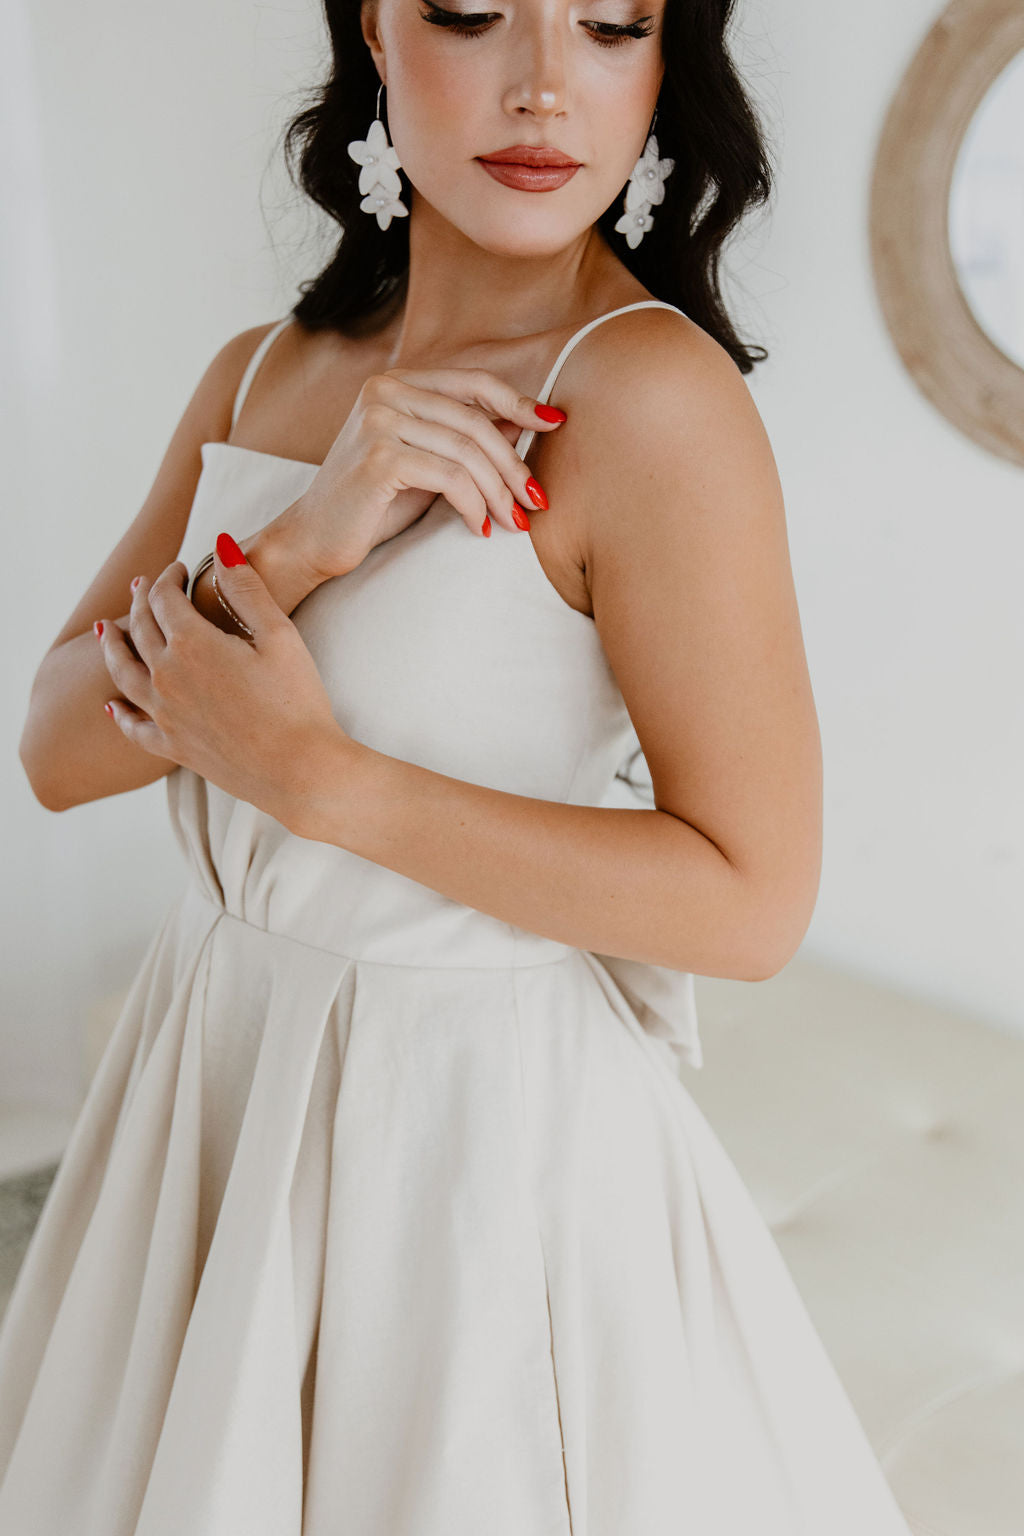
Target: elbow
768 963
780 922
771 966
43 790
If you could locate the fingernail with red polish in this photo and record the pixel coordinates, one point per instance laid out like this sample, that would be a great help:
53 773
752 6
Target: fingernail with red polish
550 413
135 582
97 629
228 551
519 517
109 709
535 494
486 529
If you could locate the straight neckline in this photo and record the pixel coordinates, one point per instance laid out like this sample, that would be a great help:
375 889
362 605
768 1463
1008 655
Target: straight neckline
554 595
260 453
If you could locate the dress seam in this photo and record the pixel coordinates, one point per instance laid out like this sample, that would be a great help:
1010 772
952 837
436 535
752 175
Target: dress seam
543 1256
401 965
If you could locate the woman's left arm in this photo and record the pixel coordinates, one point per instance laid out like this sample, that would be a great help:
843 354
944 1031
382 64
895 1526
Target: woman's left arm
684 543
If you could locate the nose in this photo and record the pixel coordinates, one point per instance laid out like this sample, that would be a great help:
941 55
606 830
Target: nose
540 85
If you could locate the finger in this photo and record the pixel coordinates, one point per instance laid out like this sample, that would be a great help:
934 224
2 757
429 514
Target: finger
146 635
243 590
178 616
473 420
465 452
476 387
415 468
130 675
138 728
172 611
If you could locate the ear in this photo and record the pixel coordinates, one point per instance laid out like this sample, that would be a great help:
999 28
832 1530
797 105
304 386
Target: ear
369 25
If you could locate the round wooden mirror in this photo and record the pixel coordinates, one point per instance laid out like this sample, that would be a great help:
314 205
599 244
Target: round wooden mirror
947 220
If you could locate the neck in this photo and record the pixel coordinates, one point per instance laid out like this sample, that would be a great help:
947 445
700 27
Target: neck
498 296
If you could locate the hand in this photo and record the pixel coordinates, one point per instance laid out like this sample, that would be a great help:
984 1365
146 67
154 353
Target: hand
240 713
412 435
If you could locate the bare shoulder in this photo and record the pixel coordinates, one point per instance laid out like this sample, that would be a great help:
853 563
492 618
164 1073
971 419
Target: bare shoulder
672 466
679 511
654 377
302 391
243 344
667 404
219 384
653 400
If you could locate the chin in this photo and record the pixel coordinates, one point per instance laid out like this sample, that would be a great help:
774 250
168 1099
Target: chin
516 235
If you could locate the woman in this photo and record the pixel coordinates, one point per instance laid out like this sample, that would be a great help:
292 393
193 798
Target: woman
387 1213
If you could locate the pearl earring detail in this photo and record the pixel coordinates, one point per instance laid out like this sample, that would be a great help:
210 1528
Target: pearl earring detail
378 178
646 187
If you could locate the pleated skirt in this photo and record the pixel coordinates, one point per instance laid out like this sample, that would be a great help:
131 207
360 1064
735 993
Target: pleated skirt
346 1248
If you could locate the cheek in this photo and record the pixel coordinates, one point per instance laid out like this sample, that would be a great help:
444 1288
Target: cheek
621 122
438 94
616 136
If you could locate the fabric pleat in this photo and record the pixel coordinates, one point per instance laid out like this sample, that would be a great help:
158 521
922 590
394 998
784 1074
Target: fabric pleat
342 1245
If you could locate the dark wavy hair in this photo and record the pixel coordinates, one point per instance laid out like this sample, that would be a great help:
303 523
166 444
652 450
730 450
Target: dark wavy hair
705 122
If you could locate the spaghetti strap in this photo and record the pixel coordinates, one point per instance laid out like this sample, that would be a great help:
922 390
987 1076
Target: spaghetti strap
254 363
527 435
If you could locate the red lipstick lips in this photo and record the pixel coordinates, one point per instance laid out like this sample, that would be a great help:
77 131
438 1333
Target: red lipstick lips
530 154
530 167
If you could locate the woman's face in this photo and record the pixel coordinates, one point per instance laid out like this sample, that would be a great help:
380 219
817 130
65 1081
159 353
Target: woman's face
548 73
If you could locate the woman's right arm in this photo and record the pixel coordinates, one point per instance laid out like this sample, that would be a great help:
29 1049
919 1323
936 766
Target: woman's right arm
69 748
413 435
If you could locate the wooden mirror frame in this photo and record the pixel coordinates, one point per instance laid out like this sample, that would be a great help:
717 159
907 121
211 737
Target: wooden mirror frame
954 362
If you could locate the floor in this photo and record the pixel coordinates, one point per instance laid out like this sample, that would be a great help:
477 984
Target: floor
30 1137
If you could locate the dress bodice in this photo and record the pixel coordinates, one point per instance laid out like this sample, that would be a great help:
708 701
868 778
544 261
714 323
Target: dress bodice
453 652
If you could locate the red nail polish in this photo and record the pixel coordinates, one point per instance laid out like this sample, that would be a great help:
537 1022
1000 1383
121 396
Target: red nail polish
519 517
535 493
110 710
97 629
486 529
228 551
135 582
550 413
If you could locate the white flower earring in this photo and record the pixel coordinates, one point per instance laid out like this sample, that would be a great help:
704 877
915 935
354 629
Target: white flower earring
646 187
378 178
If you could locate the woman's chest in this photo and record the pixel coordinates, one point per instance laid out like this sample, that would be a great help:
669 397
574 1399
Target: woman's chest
294 413
441 648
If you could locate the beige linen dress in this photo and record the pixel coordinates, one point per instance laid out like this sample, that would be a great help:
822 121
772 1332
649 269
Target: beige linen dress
383 1217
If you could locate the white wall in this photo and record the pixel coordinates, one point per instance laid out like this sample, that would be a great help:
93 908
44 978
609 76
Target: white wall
908 550
147 218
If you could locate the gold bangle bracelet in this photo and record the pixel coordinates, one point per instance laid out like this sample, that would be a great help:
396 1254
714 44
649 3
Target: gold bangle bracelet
207 560
200 568
228 608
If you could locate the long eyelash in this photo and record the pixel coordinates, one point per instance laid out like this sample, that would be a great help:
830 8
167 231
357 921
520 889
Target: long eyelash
472 25
613 34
